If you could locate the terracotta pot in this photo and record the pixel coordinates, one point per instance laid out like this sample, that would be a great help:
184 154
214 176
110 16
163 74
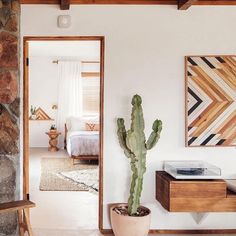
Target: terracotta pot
129 225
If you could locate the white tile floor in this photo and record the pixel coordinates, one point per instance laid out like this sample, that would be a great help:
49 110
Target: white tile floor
59 210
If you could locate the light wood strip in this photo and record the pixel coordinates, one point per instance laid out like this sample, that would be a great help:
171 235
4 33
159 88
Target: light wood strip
227 77
231 139
210 117
90 74
205 87
20 222
27 222
231 62
218 91
203 115
25 121
228 132
227 124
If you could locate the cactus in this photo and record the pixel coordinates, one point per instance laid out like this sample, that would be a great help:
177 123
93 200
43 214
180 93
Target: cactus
135 148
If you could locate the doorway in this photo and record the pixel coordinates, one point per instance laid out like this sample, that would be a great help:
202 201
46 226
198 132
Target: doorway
44 117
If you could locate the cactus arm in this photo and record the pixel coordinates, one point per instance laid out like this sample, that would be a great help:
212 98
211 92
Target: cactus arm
155 135
121 132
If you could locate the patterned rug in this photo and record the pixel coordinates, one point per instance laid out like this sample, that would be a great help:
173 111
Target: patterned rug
53 175
87 177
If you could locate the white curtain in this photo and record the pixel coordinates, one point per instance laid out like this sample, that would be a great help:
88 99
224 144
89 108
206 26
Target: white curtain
69 93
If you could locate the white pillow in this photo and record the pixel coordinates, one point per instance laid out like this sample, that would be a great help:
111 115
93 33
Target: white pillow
91 119
75 123
79 123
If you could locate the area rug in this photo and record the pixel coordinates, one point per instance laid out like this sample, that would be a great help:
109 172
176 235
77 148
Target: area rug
87 177
52 180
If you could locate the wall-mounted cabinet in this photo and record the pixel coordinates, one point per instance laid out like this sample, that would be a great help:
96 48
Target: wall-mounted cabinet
193 195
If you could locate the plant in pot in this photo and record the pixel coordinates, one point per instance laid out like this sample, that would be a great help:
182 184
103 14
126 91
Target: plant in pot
132 219
33 113
53 128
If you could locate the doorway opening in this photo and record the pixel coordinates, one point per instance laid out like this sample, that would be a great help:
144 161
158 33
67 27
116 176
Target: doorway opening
63 131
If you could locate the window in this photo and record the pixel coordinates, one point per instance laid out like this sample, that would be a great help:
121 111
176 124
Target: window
91 92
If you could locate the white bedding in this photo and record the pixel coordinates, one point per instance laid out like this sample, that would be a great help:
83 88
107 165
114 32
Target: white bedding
82 143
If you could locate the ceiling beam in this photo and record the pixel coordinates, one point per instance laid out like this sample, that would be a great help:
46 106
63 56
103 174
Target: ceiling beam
185 4
132 2
216 2
65 4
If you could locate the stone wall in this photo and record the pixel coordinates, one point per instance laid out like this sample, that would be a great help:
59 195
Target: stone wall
9 111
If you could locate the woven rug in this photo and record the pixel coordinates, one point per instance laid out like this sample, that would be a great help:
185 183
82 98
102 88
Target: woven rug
51 179
88 177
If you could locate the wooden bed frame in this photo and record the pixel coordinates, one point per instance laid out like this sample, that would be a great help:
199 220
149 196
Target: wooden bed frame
80 157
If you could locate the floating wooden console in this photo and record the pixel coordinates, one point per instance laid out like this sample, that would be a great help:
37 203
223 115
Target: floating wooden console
193 195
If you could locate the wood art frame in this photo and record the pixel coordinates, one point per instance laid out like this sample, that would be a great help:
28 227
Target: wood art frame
26 40
210 88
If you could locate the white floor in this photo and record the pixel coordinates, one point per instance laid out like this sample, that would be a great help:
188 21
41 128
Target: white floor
47 232
60 213
96 233
59 210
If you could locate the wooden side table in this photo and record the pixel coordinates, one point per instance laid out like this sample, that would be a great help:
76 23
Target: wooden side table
53 135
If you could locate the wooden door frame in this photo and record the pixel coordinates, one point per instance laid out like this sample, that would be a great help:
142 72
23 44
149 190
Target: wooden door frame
26 39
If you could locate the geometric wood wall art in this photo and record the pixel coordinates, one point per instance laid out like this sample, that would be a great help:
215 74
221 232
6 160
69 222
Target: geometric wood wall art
210 100
41 114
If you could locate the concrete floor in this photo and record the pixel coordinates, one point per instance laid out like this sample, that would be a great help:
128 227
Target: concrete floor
62 213
38 232
61 210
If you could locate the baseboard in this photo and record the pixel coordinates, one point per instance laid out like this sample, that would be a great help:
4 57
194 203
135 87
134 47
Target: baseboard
182 231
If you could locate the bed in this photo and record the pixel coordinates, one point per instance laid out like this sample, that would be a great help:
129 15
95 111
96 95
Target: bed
81 143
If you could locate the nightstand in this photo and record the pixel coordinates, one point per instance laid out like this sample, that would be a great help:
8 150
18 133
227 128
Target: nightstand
53 140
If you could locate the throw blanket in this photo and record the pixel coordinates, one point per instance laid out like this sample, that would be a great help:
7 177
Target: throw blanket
83 143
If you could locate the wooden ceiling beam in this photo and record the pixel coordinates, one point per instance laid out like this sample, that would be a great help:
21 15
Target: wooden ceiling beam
130 2
216 2
185 4
65 4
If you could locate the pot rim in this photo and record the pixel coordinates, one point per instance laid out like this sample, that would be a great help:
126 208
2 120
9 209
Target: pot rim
126 204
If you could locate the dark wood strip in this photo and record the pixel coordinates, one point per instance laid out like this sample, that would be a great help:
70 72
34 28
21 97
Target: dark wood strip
65 4
185 4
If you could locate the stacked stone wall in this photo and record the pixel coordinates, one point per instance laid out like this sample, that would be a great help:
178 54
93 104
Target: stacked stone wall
9 111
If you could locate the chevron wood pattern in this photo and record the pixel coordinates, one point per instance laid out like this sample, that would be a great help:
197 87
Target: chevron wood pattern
41 114
210 100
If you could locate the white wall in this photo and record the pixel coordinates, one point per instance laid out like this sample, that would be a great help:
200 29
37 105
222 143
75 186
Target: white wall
144 53
43 78
43 81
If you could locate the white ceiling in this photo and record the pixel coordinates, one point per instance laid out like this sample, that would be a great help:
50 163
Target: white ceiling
81 49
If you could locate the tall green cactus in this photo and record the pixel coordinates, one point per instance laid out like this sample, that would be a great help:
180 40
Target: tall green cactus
135 147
